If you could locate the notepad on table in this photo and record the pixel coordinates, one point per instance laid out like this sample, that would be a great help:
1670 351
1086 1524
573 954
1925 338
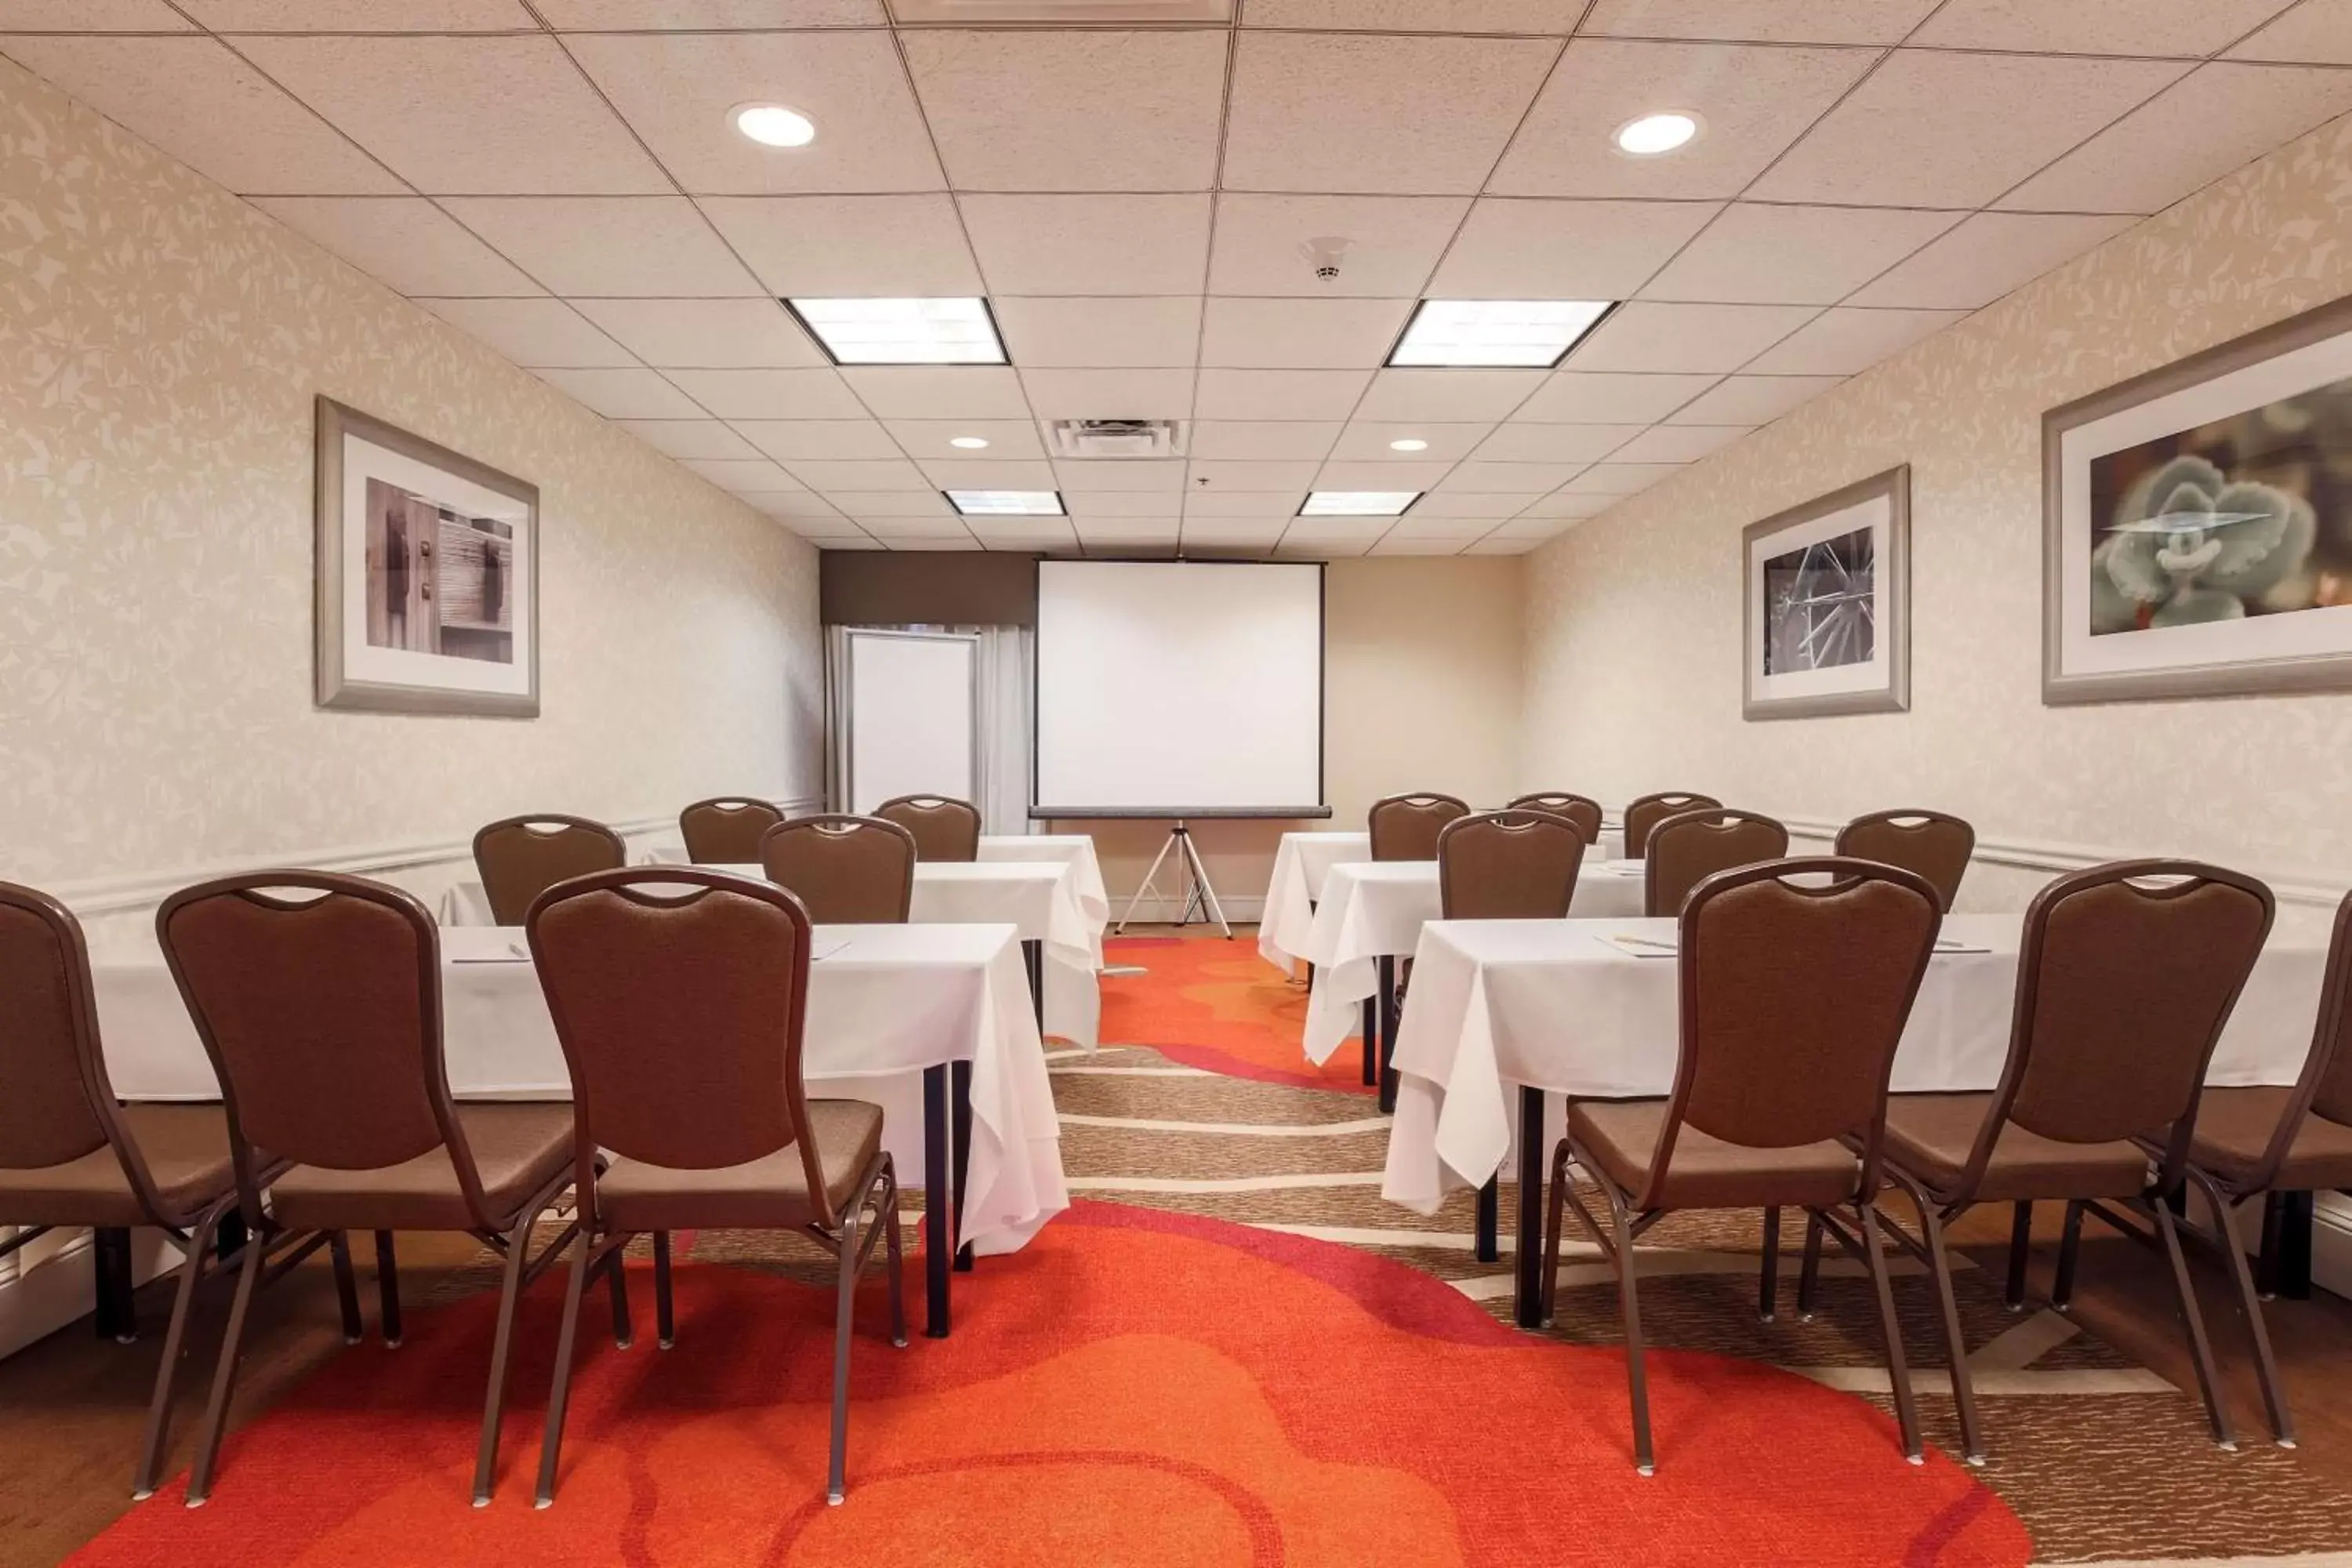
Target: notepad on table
1954 944
1643 946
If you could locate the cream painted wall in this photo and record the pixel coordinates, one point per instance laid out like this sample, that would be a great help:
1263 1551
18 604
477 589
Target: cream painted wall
161 343
1633 620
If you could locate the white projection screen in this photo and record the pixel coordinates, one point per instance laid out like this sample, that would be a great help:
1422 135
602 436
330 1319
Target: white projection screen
1178 688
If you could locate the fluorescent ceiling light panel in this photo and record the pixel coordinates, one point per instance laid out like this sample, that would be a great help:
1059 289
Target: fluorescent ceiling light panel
903 331
1521 333
1007 503
1358 503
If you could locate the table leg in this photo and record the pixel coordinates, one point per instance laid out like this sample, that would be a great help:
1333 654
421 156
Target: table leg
1033 959
936 1203
229 1234
960 1118
110 1259
1490 1220
1529 1295
2284 1268
1371 1041
1388 1000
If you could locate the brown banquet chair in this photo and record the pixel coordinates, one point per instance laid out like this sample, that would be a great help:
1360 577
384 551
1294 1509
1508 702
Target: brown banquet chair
1931 843
1793 998
724 831
846 870
1508 865
1646 812
944 828
1686 850
1406 826
681 1016
317 998
522 857
1581 809
71 1155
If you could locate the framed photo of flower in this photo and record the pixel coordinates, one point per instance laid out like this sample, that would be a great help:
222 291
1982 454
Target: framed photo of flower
1828 604
2196 523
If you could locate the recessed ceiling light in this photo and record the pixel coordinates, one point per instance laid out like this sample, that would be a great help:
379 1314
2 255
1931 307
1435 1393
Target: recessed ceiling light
1007 503
1525 333
903 331
1410 444
1358 503
774 125
969 443
1655 133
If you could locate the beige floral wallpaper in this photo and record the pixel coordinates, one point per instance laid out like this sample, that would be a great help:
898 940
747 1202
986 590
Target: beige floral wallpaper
1633 619
159 345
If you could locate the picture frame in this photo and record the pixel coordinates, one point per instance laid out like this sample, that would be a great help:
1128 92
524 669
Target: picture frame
1826 593
2195 537
426 574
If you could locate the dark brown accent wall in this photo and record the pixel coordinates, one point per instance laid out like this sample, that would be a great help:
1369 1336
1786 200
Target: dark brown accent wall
950 587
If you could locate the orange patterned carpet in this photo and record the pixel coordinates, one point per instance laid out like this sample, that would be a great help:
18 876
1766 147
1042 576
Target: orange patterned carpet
1138 1387
1217 1006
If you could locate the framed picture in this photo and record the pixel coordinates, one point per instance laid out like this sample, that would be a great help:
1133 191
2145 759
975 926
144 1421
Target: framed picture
1828 604
2196 523
427 575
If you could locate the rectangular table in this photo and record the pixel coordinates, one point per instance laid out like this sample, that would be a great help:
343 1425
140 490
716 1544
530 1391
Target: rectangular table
1551 1008
886 1005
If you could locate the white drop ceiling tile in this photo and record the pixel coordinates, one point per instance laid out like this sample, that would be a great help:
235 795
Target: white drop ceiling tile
533 333
1522 249
1259 507
623 394
1108 394
1009 440
705 334
1534 527
2317 31
1367 441
92 17
1141 331
821 440
1753 399
361 16
1845 341
1609 398
1246 474
957 475
907 511
1987 256
1319 549
676 90
1406 544
690 438
1375 475
1931 129
711 14
1646 336
831 477
939 392
1485 504
1525 479
860 542
1055 110
1311 530
196 99
1301 334
2096 27
1756 102
1754 254
404 242
928 545
1503 544
1127 530
1418 525
1407 116
1280 394
1023 533
465 115
796 507
829 248
1097 505
1402 396
1392 244
769 394
1216 533
1270 439
606 246
1113 243
2219 118
935 521
1564 505
1414 15
1769 21
1535 443
1620 479
1678 442
755 475
1099 476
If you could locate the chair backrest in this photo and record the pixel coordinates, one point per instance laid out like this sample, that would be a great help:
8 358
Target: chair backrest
1794 995
1645 813
522 857
322 1018
1406 826
2323 1088
944 829
846 870
725 830
1686 850
1508 865
55 1105
2126 973
1931 843
1581 809
680 1014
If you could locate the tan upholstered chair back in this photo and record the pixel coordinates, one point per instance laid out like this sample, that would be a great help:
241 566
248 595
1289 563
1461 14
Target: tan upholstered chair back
1581 809
846 870
1406 826
522 857
2331 1041
49 1106
1686 850
1645 813
944 829
1936 846
726 831
1508 865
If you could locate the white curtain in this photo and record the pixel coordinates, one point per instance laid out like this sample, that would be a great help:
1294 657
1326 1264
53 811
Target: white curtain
1007 663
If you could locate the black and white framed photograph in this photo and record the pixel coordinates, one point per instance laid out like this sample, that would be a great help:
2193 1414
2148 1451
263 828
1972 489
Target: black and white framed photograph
2197 523
1827 599
427 574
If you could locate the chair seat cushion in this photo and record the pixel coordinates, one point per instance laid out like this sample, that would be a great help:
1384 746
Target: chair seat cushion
771 1193
1931 1136
517 1146
186 1149
2234 1126
1704 1173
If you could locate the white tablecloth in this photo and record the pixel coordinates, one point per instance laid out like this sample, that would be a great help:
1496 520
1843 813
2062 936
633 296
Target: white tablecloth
885 1003
1374 908
1550 1005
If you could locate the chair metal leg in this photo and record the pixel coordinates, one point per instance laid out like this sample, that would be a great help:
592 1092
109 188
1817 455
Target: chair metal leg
836 1487
1767 1287
486 1459
208 1440
891 1246
347 1286
387 1289
1964 1393
550 1446
1549 1286
159 1410
1808 1277
2266 1370
1637 1382
2021 1241
2200 1350
665 1317
2070 1247
1898 1370
618 1279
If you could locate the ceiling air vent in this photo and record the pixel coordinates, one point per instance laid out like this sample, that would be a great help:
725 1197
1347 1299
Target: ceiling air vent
1116 437
1057 13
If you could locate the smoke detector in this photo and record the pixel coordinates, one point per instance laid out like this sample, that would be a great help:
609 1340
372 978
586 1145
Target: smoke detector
1324 253
1116 437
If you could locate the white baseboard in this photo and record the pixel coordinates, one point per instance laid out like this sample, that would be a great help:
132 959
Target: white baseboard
2331 1243
41 1297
